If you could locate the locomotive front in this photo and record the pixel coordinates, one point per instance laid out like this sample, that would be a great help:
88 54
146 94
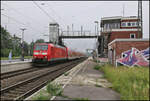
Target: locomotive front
41 53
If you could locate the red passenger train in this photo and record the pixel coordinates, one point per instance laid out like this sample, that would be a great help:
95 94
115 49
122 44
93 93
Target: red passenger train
45 53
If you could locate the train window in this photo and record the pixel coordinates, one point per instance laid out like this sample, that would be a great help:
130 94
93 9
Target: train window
38 47
44 47
41 47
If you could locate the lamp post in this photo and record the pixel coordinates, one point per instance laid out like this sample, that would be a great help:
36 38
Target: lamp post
8 19
22 53
97 39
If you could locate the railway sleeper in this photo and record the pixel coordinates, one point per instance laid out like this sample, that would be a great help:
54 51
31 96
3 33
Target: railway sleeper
10 95
16 92
6 98
19 90
24 88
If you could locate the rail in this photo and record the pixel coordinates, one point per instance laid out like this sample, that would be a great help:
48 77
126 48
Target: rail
25 88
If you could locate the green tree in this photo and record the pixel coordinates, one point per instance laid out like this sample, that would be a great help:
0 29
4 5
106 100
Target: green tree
26 48
6 42
13 43
16 41
39 41
31 47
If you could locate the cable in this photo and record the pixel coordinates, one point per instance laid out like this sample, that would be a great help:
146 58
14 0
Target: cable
50 7
21 14
14 19
44 11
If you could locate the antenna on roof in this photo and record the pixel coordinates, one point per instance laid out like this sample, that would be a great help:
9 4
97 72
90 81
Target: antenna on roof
140 22
123 9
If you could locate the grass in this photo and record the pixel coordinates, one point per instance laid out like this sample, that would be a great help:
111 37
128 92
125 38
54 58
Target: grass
41 96
131 83
66 73
54 89
51 90
97 67
6 58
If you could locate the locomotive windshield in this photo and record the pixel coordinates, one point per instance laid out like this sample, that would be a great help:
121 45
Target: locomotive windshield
41 47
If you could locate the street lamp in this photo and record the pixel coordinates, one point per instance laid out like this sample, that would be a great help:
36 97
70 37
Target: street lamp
97 39
22 54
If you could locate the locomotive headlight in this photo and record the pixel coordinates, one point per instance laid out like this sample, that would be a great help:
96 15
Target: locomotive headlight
44 53
36 53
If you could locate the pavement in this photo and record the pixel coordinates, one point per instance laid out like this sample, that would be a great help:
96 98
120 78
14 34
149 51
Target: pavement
16 64
14 61
89 84
83 82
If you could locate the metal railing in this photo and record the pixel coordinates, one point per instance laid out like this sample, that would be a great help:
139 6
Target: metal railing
77 33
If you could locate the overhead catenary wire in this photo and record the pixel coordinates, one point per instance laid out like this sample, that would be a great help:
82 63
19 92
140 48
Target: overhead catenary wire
23 16
47 14
13 19
50 7
44 11
18 21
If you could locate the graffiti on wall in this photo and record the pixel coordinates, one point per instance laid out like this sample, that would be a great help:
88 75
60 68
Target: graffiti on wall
134 57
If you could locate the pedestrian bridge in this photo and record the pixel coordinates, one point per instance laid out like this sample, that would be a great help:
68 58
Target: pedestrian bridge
77 34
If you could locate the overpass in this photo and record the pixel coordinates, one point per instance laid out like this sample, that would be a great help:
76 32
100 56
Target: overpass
77 34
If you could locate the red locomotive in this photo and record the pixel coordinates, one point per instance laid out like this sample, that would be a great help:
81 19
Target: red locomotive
45 53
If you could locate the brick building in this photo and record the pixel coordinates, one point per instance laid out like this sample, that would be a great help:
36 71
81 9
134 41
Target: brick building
117 27
122 48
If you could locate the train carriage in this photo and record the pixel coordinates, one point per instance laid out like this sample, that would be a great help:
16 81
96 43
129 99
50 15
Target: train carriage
47 52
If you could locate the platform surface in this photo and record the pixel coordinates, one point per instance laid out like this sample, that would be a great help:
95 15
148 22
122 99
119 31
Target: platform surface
84 85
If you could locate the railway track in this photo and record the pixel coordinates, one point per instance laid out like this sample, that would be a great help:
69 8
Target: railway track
17 72
22 71
23 89
10 78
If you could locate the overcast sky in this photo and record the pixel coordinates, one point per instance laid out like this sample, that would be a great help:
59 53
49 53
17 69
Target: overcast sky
27 14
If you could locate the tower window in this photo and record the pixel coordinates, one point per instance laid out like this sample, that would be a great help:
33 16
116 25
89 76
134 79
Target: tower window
129 24
123 24
132 36
133 23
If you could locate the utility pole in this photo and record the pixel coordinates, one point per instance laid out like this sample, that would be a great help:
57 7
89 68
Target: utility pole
123 9
22 54
97 39
140 22
72 30
72 27
8 19
67 30
49 33
81 30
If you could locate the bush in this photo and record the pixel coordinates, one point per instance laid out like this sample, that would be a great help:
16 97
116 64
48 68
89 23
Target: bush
41 97
54 89
131 83
97 67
